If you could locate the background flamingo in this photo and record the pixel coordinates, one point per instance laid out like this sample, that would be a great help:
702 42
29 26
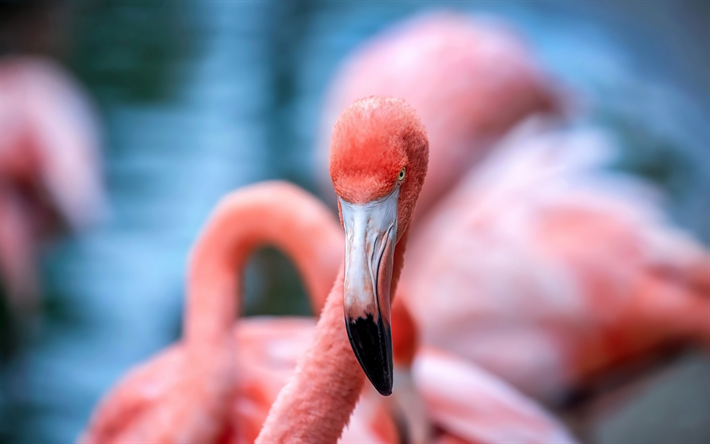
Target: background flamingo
569 282
578 337
50 176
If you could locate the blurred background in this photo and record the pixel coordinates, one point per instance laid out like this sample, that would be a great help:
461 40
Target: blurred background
194 99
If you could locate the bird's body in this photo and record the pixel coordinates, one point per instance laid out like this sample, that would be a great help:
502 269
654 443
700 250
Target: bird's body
549 272
49 167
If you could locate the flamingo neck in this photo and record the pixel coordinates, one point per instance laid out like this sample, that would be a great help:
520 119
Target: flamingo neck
317 403
275 213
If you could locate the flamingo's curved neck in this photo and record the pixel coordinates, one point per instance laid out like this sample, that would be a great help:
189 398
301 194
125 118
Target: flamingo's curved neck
274 213
317 403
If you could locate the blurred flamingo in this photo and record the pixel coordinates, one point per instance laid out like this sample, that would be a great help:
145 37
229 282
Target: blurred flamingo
553 294
378 163
49 167
218 382
565 275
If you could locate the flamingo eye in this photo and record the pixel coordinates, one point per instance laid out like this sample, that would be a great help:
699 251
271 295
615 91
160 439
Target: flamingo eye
402 173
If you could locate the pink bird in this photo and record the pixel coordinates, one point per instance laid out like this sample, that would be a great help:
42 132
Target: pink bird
379 155
552 294
217 384
221 392
49 167
552 274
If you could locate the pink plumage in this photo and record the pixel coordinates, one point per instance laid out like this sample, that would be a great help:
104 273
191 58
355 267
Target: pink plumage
50 173
552 274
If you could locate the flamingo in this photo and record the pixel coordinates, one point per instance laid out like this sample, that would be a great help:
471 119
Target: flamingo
49 168
218 382
521 271
162 402
379 155
576 275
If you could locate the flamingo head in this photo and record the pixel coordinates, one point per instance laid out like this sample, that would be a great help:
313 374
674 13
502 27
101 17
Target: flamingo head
379 156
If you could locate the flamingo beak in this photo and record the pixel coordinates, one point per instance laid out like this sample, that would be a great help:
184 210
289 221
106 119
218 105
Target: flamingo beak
370 237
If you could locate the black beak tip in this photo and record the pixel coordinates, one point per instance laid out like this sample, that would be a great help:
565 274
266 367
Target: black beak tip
371 342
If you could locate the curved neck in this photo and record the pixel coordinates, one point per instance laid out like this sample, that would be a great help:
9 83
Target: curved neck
317 403
273 213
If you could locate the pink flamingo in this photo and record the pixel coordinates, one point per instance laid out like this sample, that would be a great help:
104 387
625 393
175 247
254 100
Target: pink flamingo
575 275
472 82
378 163
379 155
163 401
218 383
49 172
